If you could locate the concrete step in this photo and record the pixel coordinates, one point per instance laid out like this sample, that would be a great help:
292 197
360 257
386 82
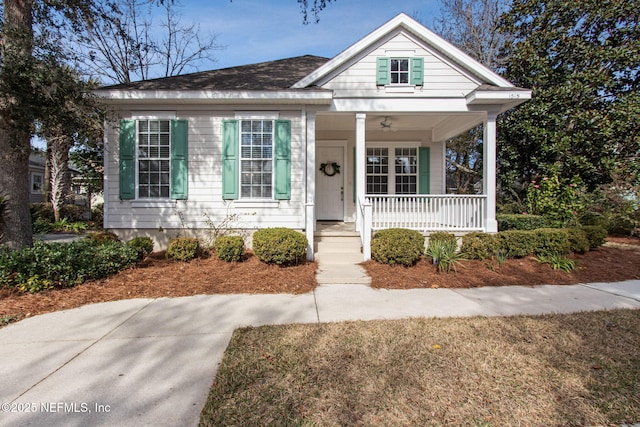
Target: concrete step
338 245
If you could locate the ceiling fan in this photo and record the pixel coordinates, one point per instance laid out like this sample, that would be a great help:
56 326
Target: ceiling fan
386 124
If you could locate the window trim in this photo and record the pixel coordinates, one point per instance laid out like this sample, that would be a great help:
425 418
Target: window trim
137 160
391 175
391 72
251 117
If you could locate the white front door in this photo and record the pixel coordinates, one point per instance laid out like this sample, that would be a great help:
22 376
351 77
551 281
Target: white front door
330 183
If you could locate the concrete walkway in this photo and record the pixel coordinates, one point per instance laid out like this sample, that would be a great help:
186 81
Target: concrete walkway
152 361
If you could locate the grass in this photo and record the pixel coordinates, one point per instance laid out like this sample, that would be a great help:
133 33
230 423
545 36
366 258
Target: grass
578 369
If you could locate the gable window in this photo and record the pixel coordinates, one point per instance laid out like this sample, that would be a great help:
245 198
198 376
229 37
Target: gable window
408 175
153 159
399 71
256 159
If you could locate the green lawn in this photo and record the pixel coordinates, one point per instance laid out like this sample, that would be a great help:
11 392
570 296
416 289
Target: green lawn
578 369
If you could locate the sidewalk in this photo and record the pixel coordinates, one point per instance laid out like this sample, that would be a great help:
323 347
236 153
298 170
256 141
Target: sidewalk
152 361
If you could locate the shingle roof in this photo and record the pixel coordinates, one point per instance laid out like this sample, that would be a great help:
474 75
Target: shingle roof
264 76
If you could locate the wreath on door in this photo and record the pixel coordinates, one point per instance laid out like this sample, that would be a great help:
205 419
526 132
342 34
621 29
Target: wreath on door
329 169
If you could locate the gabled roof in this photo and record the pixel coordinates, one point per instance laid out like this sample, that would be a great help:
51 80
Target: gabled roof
404 22
264 76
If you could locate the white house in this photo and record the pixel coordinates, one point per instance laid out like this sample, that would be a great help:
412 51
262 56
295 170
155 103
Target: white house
358 138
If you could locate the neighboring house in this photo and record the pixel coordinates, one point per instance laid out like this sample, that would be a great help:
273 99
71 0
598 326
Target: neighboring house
36 176
358 138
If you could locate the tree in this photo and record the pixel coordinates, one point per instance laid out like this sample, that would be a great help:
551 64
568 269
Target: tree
124 45
472 26
582 61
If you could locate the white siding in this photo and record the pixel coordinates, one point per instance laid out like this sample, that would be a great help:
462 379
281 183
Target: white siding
205 183
441 78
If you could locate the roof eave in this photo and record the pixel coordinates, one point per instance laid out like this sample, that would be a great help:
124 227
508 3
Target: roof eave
321 96
506 98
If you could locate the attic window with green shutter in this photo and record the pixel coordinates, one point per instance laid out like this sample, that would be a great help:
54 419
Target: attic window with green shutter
400 71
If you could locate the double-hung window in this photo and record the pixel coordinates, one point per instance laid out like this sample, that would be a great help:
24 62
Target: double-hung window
153 159
256 159
154 170
36 183
409 173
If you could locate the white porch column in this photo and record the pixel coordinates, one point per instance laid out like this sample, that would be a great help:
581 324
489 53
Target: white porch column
310 215
489 171
360 166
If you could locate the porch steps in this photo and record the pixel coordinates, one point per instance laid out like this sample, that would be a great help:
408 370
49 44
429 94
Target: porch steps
338 258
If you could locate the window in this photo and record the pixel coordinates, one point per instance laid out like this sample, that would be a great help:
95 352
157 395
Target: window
36 183
154 172
406 171
399 71
377 170
256 159
409 173
153 159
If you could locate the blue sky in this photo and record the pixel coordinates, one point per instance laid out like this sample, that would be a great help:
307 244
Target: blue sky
265 30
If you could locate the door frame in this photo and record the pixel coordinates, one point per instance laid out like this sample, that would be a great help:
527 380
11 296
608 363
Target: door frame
343 167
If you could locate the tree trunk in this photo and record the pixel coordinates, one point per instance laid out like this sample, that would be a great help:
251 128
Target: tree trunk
60 180
15 123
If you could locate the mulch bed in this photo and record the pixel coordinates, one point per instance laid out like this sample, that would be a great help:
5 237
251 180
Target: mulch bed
158 277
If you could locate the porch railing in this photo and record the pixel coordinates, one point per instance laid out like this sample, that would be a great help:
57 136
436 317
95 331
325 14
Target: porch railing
441 212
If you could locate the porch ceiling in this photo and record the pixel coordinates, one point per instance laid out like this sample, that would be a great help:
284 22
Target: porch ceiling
441 126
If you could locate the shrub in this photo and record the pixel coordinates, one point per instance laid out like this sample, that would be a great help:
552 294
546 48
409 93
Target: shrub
621 225
595 234
229 248
397 246
517 243
444 253
59 265
550 241
578 240
281 246
479 245
41 225
558 200
519 222
143 245
183 248
442 237
97 214
102 237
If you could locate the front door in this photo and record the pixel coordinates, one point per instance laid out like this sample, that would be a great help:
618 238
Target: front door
330 183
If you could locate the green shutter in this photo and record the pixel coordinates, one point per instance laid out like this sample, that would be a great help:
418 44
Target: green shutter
423 170
127 153
230 159
382 71
417 71
282 160
179 154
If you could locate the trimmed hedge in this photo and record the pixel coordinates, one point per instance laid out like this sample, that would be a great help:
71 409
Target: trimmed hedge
102 237
281 246
578 240
443 238
60 265
183 249
144 246
397 246
551 241
229 248
519 222
596 235
478 245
